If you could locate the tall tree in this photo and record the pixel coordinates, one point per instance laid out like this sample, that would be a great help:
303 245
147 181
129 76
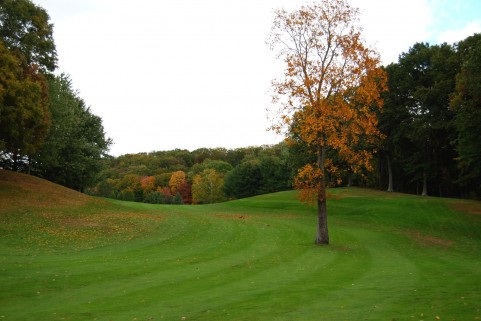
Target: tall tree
391 121
26 31
330 90
76 143
24 113
467 106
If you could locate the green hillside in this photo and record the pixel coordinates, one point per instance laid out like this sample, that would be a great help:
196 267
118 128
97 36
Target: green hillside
67 256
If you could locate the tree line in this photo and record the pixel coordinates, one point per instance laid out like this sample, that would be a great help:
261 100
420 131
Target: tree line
198 177
432 121
46 128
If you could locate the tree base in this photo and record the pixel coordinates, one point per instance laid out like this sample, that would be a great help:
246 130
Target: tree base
321 242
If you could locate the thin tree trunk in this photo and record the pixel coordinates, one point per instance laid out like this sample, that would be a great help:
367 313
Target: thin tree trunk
15 162
389 171
322 231
425 183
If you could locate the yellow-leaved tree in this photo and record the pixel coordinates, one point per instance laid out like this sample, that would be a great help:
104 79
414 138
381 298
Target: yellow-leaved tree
329 94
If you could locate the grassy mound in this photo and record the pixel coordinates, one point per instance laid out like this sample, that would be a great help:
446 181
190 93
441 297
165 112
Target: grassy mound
35 213
392 257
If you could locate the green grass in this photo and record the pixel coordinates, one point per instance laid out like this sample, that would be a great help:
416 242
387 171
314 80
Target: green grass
392 257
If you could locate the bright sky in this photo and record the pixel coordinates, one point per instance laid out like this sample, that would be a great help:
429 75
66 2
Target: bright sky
166 74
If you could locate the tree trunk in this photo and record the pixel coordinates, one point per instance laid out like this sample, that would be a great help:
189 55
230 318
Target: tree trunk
322 231
389 171
425 184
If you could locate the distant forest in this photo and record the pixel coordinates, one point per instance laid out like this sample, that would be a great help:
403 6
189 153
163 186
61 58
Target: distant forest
431 125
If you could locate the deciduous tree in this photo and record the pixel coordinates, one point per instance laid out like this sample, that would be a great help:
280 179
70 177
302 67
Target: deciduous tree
467 106
26 30
329 92
180 187
207 187
148 184
177 179
76 143
24 113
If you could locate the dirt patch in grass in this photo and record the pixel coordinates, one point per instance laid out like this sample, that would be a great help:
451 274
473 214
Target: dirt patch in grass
429 240
468 207
471 209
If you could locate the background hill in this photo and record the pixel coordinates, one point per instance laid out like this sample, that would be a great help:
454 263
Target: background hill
67 256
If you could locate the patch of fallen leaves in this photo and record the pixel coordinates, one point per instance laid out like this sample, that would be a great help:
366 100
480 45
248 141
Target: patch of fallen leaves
429 240
81 232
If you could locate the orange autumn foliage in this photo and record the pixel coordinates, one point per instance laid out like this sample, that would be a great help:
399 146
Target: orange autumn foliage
332 85
177 180
147 183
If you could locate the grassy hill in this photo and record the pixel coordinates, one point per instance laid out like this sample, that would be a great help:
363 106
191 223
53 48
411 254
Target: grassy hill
67 256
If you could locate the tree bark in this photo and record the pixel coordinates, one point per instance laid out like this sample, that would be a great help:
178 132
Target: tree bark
389 171
322 237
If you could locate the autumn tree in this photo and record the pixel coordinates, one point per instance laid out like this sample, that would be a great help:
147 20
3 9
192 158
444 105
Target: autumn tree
26 30
329 93
177 179
207 187
27 52
148 184
180 187
24 114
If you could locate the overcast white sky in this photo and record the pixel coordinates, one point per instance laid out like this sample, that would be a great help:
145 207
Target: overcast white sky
166 74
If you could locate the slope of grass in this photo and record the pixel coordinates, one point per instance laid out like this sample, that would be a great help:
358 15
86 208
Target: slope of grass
66 256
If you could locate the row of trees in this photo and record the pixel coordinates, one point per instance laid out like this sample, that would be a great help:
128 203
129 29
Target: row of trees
45 127
432 120
198 177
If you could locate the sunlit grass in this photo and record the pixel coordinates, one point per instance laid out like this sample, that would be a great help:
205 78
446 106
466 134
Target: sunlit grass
392 257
